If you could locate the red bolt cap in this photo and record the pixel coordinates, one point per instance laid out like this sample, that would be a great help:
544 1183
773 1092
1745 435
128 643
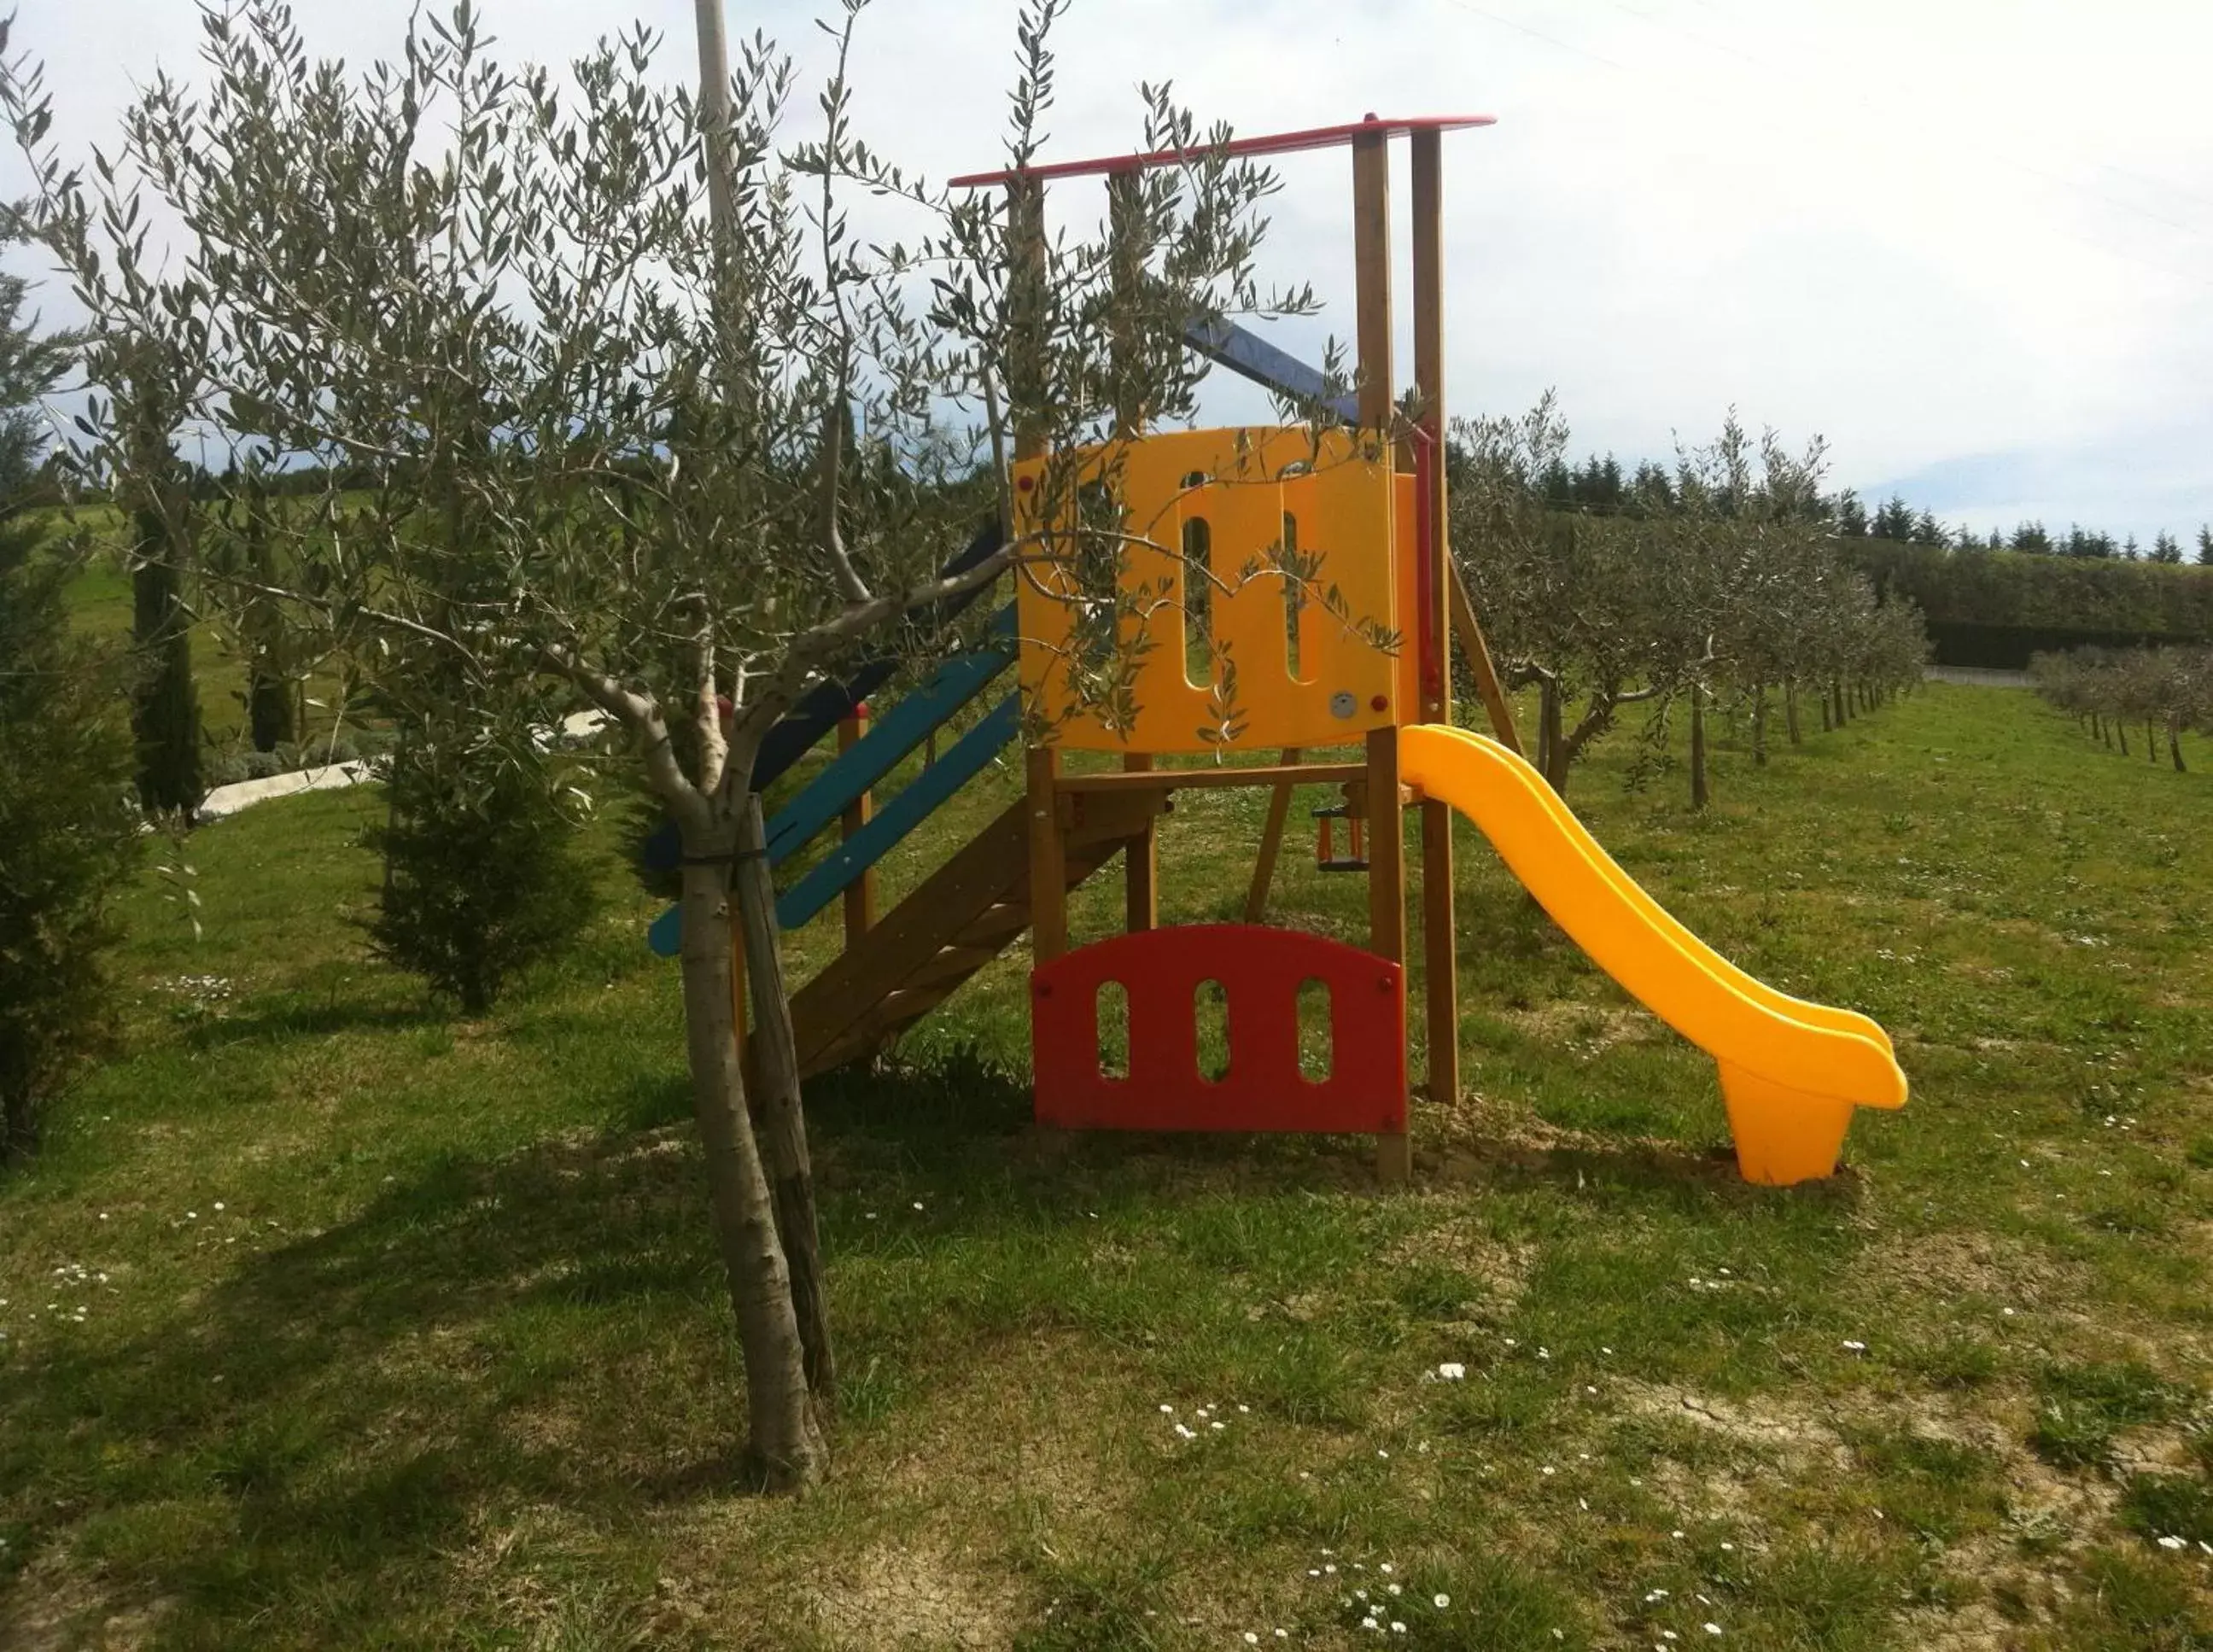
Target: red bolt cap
1379 702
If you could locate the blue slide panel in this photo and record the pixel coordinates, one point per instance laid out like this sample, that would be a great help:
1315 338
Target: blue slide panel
824 708
839 869
1254 357
900 815
890 738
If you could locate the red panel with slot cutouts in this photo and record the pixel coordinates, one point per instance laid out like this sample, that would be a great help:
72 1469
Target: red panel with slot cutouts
1260 972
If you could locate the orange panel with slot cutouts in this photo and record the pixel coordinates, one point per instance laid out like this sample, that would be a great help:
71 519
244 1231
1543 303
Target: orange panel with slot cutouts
1154 612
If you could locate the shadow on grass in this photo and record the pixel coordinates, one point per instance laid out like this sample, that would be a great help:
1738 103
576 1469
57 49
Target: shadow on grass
280 1018
341 1420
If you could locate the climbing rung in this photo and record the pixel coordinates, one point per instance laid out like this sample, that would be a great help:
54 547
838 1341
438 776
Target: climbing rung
996 924
827 705
894 819
891 736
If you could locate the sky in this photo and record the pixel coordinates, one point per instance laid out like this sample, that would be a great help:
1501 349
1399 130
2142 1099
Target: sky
1969 242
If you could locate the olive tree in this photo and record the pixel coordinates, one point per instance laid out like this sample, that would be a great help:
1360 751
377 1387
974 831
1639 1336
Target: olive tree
2167 689
1715 588
1568 598
638 420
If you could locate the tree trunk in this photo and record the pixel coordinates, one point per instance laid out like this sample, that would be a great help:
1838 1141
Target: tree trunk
1699 792
1553 755
268 708
1790 713
269 700
2175 743
2151 741
775 1076
1837 690
784 1447
1759 727
2121 731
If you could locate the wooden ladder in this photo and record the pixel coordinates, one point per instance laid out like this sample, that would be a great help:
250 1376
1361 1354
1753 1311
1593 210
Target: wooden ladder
959 919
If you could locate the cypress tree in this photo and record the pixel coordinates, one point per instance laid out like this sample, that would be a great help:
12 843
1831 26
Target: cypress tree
67 835
165 710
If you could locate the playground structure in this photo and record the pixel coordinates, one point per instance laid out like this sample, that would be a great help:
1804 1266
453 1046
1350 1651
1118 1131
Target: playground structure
1354 693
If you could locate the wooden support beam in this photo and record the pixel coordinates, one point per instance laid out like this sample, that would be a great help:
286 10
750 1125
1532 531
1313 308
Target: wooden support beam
1440 955
1271 844
1112 817
1141 870
1025 312
1047 851
861 894
1048 856
1469 630
1261 774
1387 900
1371 270
1387 867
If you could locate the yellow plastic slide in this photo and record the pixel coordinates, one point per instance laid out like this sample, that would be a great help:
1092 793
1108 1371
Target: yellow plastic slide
1791 1071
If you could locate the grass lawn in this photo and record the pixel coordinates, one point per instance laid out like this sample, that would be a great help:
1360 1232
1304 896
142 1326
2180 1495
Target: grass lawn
333 1321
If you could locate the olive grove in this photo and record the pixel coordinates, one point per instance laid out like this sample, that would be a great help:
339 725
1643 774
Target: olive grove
2110 690
1722 588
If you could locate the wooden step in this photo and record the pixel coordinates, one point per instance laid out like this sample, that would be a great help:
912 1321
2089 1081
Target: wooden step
982 874
956 920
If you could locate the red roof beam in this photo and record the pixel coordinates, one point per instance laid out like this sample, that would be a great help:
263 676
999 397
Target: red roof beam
1315 138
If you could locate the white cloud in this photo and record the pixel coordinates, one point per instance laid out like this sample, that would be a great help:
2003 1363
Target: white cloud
1935 234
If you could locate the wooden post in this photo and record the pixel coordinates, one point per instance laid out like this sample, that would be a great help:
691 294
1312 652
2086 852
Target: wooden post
1386 866
861 894
738 1012
1440 959
1141 861
1141 893
1048 857
1386 902
1048 848
1371 268
1271 844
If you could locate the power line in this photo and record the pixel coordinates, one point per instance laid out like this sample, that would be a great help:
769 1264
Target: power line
1538 34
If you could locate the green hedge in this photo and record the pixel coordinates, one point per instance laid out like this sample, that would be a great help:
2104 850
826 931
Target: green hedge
1997 607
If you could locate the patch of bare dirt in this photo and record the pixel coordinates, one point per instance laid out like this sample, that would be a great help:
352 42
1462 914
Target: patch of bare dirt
52 1607
1947 1265
1480 1137
2153 1451
1456 1243
1583 1029
1974 1627
1788 1432
918 1594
